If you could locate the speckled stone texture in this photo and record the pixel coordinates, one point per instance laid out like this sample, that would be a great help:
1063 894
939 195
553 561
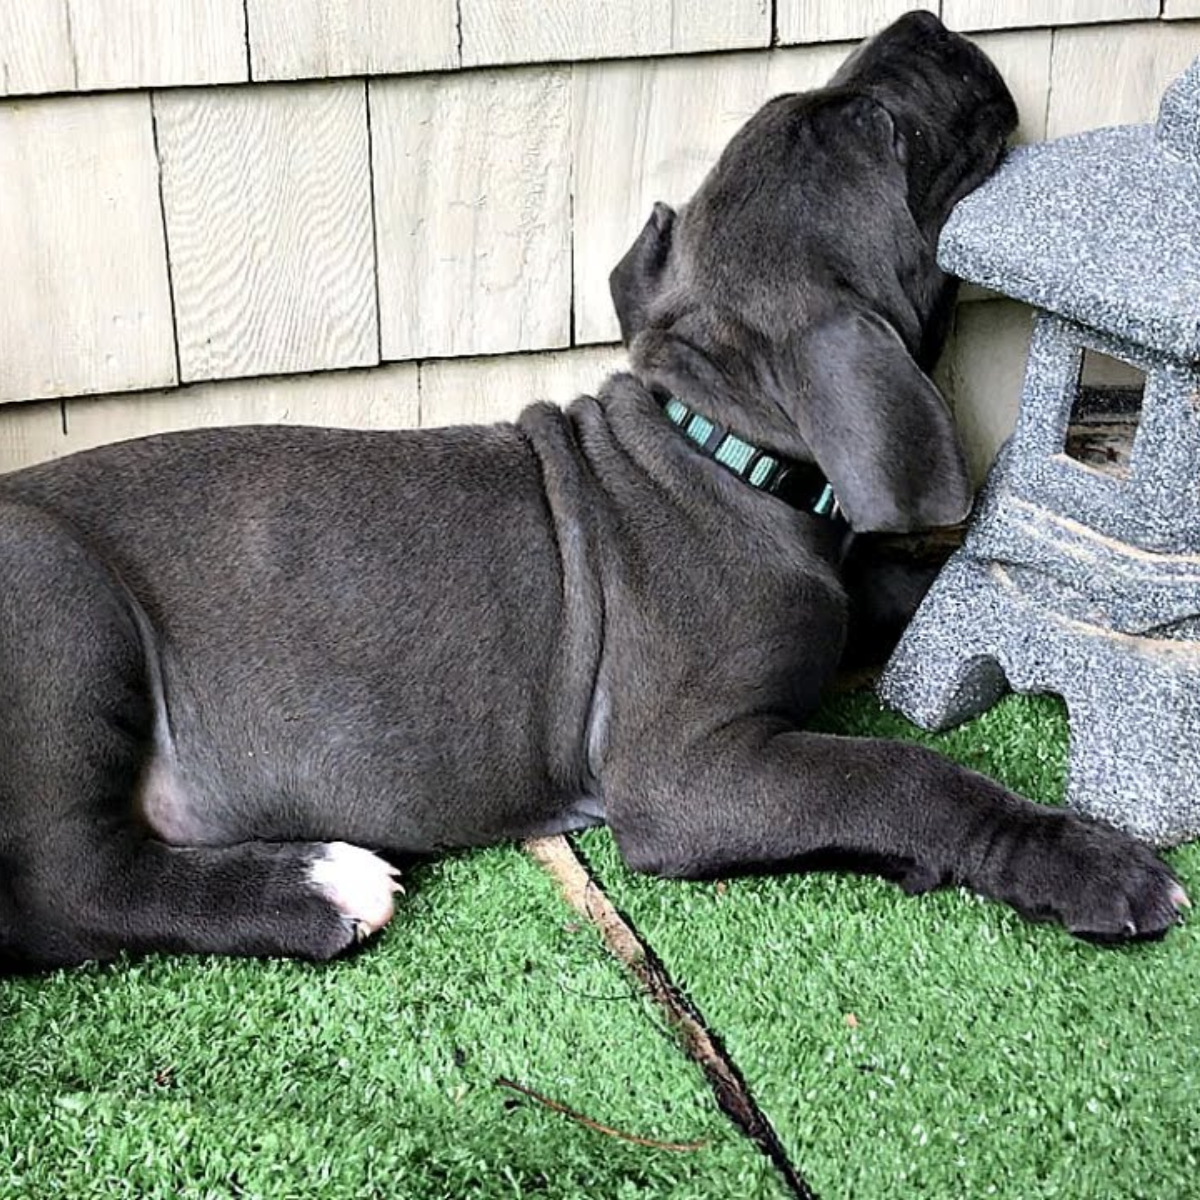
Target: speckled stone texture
1071 580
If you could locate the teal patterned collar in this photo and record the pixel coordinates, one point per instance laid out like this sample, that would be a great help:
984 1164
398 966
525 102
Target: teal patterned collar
800 484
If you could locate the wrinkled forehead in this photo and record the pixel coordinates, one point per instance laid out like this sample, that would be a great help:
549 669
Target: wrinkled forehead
916 73
799 123
807 168
804 140
917 62
916 115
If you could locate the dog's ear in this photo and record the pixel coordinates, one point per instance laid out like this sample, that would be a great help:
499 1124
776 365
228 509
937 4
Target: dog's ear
636 279
879 428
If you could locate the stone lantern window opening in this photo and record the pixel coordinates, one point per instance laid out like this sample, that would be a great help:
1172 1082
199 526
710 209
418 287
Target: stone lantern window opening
1106 412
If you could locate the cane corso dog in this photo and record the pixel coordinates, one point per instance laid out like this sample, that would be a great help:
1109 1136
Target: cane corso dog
237 666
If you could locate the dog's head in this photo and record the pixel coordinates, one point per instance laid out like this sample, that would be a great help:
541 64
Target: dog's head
805 266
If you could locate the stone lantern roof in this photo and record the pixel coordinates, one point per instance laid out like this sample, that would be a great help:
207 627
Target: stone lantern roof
1102 228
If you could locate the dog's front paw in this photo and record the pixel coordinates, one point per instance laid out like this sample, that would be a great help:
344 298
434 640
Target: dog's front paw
359 884
1102 884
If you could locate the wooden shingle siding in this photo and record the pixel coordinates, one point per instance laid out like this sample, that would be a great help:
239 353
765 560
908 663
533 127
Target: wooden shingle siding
471 390
473 211
524 31
86 304
304 39
268 209
802 21
88 45
1024 58
981 373
31 433
1115 74
1025 14
384 398
396 396
35 47
433 205
158 43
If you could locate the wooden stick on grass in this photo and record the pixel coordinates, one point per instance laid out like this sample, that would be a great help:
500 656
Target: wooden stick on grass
584 1120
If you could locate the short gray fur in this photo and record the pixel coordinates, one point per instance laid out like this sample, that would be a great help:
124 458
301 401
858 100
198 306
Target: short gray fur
1071 580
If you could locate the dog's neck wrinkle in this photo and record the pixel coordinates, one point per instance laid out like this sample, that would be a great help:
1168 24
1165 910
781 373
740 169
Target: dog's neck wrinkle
743 393
636 427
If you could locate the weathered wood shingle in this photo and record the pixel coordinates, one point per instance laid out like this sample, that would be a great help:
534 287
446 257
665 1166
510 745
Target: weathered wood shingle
1115 74
1023 57
524 31
981 373
383 398
87 45
1025 14
86 304
268 208
31 433
468 391
803 21
304 39
473 211
35 48
502 198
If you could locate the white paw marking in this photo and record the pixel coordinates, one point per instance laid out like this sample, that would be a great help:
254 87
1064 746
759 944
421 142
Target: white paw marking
359 884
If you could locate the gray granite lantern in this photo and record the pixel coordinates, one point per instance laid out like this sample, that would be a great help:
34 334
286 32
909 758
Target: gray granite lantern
1073 580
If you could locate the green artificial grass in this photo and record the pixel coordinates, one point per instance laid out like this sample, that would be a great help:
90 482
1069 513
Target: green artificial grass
367 1078
940 1046
936 1046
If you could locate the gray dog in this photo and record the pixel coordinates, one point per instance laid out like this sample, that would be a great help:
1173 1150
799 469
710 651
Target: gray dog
230 659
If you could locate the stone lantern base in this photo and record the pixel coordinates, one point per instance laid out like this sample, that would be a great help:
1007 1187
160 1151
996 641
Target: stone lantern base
1036 601
1133 702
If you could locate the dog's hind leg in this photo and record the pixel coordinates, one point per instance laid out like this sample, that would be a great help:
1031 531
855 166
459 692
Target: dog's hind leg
80 876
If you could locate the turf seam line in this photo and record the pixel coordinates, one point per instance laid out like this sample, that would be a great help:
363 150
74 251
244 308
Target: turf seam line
583 893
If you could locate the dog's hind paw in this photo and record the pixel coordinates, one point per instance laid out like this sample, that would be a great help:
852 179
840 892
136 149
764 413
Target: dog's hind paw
359 884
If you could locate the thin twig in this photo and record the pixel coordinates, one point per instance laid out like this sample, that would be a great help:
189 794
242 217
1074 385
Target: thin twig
606 1129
